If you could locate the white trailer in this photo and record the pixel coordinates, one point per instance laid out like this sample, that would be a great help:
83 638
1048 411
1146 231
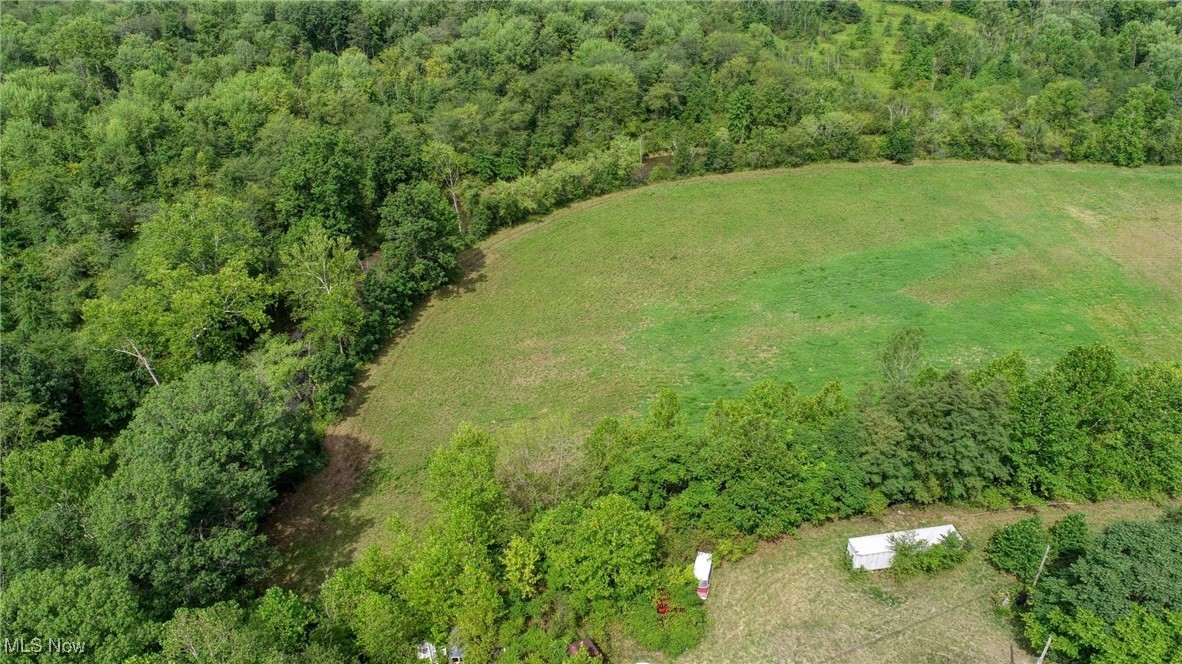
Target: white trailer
703 566
874 552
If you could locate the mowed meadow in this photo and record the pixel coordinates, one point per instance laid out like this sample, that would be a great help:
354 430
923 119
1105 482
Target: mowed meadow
796 601
712 284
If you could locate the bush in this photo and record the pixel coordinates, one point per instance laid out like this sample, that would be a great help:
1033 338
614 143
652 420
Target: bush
992 498
684 622
1019 547
877 504
900 143
1070 537
660 173
913 557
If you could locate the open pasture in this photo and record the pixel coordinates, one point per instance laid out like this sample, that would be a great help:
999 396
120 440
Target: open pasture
711 284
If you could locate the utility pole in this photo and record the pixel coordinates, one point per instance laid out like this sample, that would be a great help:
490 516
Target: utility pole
1045 649
1040 565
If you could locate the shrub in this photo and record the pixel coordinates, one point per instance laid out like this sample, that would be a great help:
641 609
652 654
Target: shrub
993 499
660 173
680 627
877 504
913 557
1070 537
1018 548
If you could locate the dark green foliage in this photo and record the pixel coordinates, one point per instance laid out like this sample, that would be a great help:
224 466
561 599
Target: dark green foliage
322 177
680 628
282 619
941 441
198 466
900 143
739 115
684 162
1081 429
395 161
421 238
1018 548
56 474
650 462
86 604
606 552
1071 537
52 538
1119 601
720 153
39 383
770 462
1125 136
1129 563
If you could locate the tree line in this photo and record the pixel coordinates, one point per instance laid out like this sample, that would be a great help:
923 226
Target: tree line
542 535
1112 596
173 171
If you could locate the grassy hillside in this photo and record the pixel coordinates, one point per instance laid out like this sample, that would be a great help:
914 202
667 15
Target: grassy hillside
709 285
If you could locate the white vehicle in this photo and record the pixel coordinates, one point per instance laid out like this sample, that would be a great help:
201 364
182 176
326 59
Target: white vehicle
703 566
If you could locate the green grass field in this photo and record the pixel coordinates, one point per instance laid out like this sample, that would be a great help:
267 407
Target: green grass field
711 284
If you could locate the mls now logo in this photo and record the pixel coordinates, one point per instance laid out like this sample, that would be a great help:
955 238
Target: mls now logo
49 645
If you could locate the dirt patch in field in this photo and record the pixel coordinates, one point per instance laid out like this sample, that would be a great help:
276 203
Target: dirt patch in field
314 509
1087 217
1149 247
990 278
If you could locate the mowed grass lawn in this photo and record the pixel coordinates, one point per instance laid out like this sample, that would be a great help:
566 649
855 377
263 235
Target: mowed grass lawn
794 601
712 284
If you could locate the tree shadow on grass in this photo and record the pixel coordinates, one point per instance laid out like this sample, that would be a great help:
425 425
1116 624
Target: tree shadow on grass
315 527
472 262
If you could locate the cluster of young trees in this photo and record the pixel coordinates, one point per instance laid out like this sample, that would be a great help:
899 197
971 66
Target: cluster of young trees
564 537
1108 597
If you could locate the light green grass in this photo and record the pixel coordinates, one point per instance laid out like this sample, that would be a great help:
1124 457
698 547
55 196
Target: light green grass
709 285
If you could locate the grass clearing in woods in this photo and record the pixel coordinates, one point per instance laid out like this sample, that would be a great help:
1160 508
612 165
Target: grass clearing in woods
794 601
712 284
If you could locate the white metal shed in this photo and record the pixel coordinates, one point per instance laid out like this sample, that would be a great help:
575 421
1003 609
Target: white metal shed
876 551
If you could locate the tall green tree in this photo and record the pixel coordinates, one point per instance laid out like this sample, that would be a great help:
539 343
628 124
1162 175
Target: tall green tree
319 277
322 177
198 466
90 605
607 551
447 167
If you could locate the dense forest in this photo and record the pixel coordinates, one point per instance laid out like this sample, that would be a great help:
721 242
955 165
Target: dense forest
214 213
